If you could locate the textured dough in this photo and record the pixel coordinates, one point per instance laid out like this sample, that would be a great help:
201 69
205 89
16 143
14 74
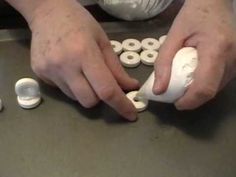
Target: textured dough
134 9
183 67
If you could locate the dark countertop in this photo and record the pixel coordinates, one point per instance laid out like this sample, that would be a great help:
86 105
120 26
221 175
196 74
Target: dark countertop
61 139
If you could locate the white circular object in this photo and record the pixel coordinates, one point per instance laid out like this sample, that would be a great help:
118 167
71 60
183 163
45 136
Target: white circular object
117 47
148 57
131 45
150 44
162 39
184 64
130 59
29 103
140 104
1 105
28 93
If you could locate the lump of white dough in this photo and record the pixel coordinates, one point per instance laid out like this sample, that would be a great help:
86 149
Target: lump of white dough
134 9
183 67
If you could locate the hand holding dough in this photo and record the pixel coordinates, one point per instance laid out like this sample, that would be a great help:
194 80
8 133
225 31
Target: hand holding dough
183 67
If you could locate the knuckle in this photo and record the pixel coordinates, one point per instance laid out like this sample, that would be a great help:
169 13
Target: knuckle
107 93
39 69
79 48
56 62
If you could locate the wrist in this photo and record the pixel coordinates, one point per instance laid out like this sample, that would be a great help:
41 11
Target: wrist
210 1
27 8
34 10
214 4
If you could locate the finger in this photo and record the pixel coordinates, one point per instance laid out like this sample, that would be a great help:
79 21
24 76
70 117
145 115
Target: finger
207 80
62 85
173 43
112 61
105 85
82 90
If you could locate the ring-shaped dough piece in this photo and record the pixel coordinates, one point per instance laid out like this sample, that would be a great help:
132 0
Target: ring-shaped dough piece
132 45
29 103
148 57
150 44
162 39
28 93
141 104
130 59
117 46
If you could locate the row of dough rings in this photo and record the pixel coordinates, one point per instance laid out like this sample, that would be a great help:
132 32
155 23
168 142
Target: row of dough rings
136 46
132 59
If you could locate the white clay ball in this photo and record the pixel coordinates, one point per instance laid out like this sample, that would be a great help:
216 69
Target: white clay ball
184 64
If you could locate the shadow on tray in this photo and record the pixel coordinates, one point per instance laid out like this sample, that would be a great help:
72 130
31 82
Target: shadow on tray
203 122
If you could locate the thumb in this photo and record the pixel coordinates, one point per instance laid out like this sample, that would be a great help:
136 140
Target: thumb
174 41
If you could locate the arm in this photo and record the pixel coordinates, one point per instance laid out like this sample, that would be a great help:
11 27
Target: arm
26 7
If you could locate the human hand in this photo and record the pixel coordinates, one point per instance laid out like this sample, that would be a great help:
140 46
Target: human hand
209 26
70 50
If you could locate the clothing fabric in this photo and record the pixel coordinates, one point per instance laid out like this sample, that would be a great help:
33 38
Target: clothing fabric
134 9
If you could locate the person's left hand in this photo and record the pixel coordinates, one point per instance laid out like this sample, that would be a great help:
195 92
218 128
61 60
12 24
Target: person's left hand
209 26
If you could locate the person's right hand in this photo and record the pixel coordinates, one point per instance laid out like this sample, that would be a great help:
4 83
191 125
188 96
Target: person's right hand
70 50
209 26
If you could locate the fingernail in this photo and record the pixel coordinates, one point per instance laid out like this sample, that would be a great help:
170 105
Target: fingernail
136 81
179 106
157 87
132 117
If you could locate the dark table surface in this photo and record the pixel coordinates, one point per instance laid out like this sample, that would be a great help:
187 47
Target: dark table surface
61 139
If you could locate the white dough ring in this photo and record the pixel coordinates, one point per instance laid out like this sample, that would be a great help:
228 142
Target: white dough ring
162 39
150 44
131 45
130 59
117 46
148 57
28 93
141 104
